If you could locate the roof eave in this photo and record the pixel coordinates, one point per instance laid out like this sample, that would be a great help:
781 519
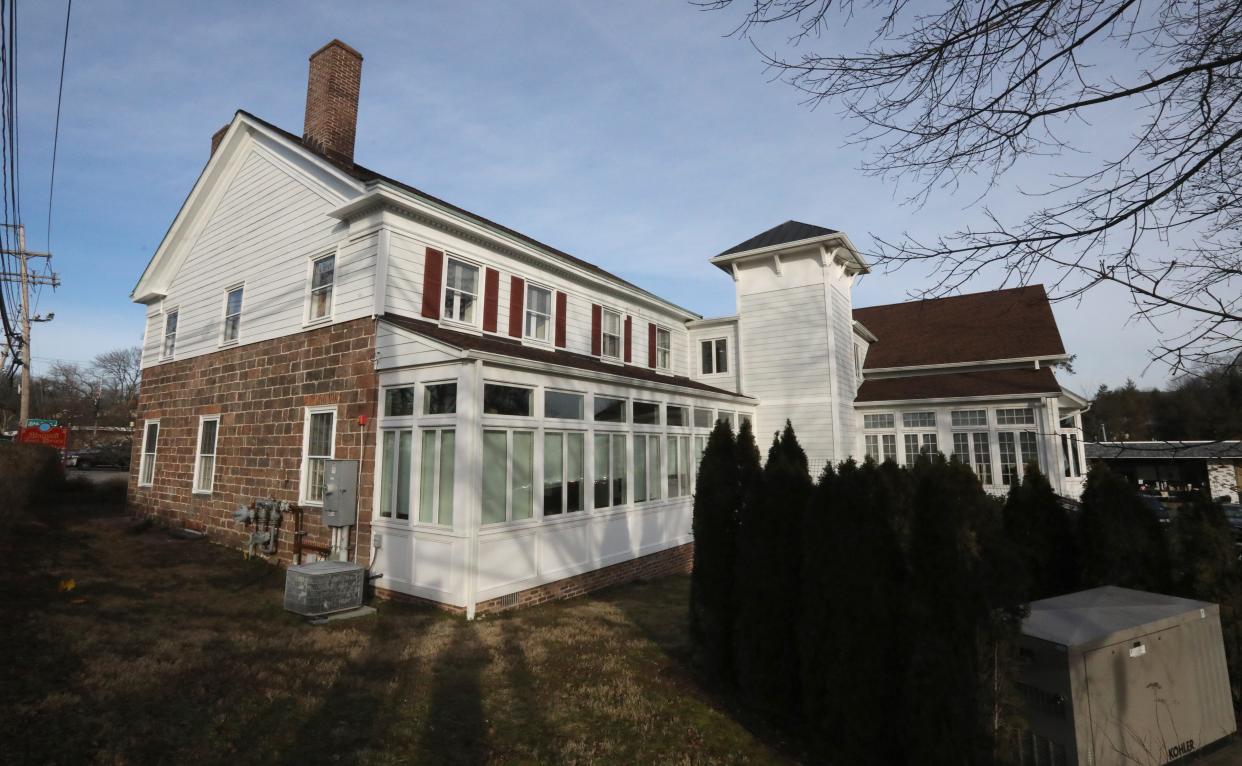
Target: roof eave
857 264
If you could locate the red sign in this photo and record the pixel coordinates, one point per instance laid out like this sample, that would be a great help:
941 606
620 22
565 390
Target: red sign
52 436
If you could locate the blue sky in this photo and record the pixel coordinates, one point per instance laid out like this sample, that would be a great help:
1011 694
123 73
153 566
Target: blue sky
635 135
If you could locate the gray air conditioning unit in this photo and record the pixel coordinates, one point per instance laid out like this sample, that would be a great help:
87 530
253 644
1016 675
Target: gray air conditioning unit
324 587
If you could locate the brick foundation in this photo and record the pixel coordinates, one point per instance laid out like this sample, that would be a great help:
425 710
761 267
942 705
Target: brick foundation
260 391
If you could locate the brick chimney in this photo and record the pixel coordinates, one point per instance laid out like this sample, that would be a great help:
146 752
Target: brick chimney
332 101
218 136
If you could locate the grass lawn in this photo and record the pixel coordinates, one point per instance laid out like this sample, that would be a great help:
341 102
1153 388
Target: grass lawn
173 651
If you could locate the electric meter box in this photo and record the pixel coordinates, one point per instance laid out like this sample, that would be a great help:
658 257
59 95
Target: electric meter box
340 493
1118 676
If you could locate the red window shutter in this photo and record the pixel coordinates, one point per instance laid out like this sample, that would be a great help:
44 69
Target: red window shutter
433 276
560 319
491 299
596 319
651 345
517 297
629 326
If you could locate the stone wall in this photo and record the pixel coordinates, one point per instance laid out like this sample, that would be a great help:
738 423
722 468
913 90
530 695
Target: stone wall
1223 478
260 391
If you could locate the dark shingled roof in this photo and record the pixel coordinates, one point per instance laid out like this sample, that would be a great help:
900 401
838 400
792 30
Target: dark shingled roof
789 231
1164 450
1027 381
506 347
1001 324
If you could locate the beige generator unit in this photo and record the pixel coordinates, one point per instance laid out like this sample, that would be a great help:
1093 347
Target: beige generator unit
1118 676
324 587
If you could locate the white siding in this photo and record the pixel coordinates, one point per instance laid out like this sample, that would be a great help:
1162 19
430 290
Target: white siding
846 385
693 352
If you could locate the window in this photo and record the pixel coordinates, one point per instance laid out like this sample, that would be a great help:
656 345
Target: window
676 416
728 417
1069 421
700 446
714 356
399 402
1027 448
914 448
506 400
982 457
884 420
170 333
918 419
205 464
664 348
872 446
440 399
435 479
961 447
1074 453
702 418
562 472
508 475
608 410
395 474
232 315
1065 454
610 334
609 470
317 451
558 404
962 418
678 466
323 276
538 313
890 446
150 439
461 291
647 469
647 413
1008 457
1022 416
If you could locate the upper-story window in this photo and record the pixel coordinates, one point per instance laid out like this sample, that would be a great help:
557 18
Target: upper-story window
461 291
715 356
538 313
969 418
918 419
1019 416
323 277
664 348
610 334
878 420
170 334
232 315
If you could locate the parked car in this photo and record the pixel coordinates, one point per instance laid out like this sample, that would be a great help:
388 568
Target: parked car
1233 514
104 456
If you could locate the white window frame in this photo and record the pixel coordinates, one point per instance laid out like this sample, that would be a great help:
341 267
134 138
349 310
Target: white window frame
885 425
604 335
476 318
306 433
715 367
198 456
165 351
438 479
528 312
664 354
653 467
536 476
309 318
224 324
154 453
584 484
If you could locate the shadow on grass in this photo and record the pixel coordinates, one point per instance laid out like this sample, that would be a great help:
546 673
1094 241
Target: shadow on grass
455 730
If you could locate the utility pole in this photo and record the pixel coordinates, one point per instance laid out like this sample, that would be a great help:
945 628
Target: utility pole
25 280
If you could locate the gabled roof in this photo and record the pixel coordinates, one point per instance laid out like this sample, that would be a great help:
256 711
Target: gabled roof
492 344
1097 614
1002 324
789 231
1026 381
1163 450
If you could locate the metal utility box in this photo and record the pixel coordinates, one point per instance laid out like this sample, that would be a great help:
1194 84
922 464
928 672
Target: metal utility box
324 587
1119 676
340 493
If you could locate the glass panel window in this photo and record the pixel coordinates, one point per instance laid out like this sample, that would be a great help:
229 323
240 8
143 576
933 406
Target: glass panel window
150 439
961 447
1022 416
883 420
508 476
962 418
395 474
170 333
205 467
890 446
461 291
1027 449
678 463
647 468
609 470
506 400
702 418
714 356
918 419
664 348
1008 457
610 334
1065 455
609 410
872 446
435 476
553 473
232 314
538 313
912 448
640 468
575 452
983 457
676 416
700 445
1074 454
522 476
558 404
399 402
440 399
728 417
1069 421
929 446
495 476
647 413
323 276
319 446
618 469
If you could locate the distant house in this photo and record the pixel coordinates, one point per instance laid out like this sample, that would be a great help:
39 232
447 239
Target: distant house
1175 466
528 424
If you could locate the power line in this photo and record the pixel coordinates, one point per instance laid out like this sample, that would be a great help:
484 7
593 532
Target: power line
51 185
